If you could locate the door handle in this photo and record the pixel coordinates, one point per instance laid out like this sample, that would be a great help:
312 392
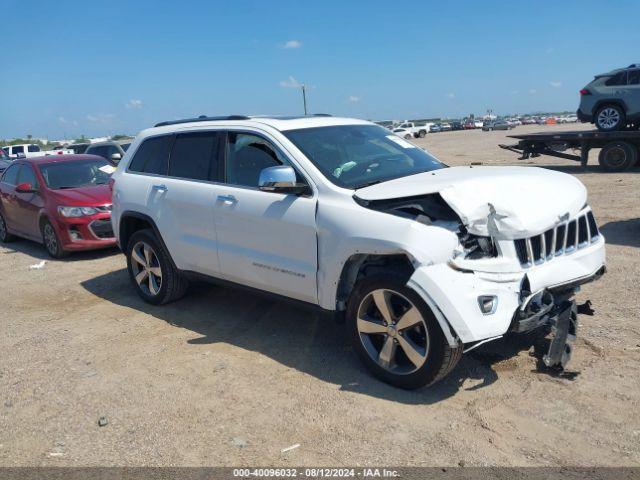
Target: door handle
227 199
160 187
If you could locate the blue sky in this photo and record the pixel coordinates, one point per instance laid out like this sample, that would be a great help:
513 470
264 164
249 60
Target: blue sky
98 67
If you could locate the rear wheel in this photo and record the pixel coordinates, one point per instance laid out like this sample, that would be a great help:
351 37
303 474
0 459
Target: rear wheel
396 335
408 136
422 134
51 241
5 236
618 156
610 118
152 271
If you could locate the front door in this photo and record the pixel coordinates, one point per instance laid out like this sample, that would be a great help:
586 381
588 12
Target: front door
29 204
265 240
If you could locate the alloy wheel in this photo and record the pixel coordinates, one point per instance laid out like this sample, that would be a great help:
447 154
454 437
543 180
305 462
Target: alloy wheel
608 118
393 331
146 268
50 240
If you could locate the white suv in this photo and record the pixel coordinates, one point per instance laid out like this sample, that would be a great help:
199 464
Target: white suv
422 261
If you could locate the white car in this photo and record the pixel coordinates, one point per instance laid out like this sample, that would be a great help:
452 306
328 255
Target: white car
422 261
403 132
568 119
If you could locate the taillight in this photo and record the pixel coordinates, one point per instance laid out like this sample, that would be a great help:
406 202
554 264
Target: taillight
584 91
112 182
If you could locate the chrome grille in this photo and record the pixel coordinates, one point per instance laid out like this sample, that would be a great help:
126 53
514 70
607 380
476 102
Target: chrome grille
562 239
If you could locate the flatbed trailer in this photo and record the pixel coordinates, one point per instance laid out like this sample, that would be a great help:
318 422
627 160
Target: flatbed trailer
619 149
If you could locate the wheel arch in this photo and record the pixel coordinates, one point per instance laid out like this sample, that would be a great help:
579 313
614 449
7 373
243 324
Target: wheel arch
609 101
130 222
361 265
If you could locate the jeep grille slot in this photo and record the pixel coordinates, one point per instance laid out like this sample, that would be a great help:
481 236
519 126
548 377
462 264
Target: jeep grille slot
562 239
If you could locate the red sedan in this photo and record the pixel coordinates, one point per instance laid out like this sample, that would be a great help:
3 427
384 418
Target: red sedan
61 201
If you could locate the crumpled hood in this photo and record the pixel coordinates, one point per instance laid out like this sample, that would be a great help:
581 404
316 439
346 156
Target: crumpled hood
505 202
96 195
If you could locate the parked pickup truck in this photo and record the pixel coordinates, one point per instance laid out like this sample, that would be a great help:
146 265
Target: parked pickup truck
28 150
417 129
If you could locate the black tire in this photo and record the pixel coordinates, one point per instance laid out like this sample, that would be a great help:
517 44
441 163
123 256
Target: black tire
441 358
51 241
173 285
618 156
610 126
5 236
422 134
408 136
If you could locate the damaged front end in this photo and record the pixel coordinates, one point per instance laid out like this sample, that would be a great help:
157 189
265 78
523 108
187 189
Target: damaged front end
488 288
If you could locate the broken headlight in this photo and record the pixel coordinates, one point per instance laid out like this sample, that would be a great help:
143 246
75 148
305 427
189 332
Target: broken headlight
476 247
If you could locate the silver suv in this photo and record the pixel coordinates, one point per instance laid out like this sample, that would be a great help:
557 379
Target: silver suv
612 100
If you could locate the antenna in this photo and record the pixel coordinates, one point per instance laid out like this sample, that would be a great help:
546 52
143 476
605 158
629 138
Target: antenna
304 97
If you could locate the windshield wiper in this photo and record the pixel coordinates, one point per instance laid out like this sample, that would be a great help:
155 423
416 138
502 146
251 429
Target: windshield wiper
368 184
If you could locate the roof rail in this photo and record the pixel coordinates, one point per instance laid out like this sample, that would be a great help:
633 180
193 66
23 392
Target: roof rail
634 65
322 115
202 118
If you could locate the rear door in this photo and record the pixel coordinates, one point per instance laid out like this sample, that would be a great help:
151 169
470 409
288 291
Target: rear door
633 96
185 199
266 240
8 197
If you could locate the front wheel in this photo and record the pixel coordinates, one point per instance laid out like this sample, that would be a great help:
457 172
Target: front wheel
396 335
51 241
152 271
610 118
422 134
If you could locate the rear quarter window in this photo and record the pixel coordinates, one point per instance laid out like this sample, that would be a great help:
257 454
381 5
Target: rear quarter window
619 78
152 156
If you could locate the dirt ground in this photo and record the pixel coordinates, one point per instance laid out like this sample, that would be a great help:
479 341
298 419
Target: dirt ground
230 379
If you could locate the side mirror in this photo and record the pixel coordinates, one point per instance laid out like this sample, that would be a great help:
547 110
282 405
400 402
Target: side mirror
116 157
25 188
281 179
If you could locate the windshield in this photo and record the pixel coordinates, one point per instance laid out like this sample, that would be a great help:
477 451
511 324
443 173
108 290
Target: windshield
125 146
76 174
354 156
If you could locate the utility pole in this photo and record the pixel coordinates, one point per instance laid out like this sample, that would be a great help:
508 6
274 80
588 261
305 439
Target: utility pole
304 98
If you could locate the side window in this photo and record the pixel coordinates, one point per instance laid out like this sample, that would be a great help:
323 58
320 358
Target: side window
195 156
101 151
634 77
619 78
18 149
246 156
10 176
27 175
152 156
33 148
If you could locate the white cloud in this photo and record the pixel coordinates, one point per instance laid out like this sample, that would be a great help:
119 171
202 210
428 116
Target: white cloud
62 120
555 84
533 91
134 104
290 83
451 95
292 44
549 51
354 98
514 92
